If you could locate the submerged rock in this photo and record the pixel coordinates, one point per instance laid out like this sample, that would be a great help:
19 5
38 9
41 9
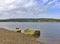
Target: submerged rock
32 32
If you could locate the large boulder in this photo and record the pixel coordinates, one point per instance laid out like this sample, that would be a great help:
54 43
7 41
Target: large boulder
32 32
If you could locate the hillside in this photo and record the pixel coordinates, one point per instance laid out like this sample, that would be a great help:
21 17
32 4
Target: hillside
30 20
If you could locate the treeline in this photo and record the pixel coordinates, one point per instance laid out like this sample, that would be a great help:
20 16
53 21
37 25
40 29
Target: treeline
18 20
31 20
48 20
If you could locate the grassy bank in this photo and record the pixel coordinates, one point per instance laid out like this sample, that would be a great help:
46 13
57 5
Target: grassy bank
9 37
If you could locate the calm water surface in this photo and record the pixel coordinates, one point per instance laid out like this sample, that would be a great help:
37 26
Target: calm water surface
50 31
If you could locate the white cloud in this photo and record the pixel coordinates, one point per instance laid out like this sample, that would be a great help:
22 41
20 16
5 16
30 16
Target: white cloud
4 4
25 8
11 4
22 8
57 4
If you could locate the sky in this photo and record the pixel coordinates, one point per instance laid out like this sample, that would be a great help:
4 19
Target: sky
29 9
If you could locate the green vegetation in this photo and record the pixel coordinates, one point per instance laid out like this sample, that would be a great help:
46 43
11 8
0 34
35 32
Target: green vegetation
31 20
48 20
32 32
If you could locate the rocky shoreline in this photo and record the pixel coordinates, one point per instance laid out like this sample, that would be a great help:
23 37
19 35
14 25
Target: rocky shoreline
9 37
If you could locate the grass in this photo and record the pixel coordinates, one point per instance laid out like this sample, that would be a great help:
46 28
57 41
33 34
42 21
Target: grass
9 37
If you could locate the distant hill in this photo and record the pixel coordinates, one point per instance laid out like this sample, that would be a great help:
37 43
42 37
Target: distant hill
30 20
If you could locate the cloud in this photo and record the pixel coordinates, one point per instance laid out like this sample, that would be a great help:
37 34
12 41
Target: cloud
57 4
4 4
24 8
19 8
12 4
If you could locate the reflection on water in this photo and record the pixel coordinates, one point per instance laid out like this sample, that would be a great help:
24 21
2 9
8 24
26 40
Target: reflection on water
50 31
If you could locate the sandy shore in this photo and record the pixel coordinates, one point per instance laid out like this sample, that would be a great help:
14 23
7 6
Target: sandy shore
9 37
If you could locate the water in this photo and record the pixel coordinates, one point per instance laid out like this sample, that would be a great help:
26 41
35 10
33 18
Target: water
50 31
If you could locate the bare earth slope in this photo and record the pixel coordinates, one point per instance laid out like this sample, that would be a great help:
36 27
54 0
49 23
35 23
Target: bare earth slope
9 37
